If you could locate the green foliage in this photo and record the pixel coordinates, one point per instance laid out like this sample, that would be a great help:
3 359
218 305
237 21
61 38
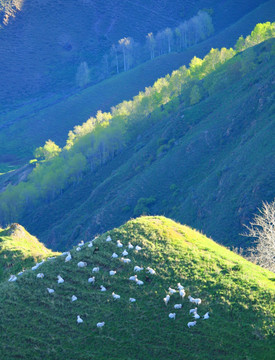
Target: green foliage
240 303
143 206
48 151
195 95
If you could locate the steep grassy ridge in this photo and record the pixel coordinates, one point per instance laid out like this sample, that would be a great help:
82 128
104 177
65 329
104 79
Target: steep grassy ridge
29 126
238 295
209 165
19 250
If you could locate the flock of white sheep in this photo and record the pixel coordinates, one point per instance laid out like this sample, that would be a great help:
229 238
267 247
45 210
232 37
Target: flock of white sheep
134 278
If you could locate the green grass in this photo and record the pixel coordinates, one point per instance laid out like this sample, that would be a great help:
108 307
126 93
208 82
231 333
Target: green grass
30 125
19 250
239 296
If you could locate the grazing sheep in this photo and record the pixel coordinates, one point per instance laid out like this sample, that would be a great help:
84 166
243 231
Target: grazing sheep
20 273
12 278
60 280
95 269
126 261
139 282
166 299
191 323
192 311
130 246
172 316
112 272
74 298
138 268
206 316
114 255
78 248
133 278
182 293
68 257
109 238
177 306
102 288
50 291
79 320
91 280
119 244
172 291
37 265
81 243
125 253
90 244
138 248
151 271
196 316
180 287
40 276
194 301
132 299
100 324
115 296
82 264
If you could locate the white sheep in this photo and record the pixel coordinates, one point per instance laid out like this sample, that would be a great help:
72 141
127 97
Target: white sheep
102 288
166 299
180 287
115 296
191 323
81 243
177 306
130 246
194 301
82 264
182 293
50 291
12 278
112 272
125 253
138 268
78 248
60 279
192 311
79 320
196 316
74 298
206 316
119 244
138 248
133 278
126 261
150 270
37 265
40 276
20 273
95 269
109 238
172 291
68 257
132 299
114 255
172 315
90 244
100 324
139 282
91 280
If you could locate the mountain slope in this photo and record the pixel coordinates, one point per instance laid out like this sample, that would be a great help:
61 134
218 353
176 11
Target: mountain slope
19 250
238 295
26 127
197 164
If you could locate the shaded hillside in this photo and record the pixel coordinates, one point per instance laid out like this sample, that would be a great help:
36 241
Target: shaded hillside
29 126
209 165
19 250
238 295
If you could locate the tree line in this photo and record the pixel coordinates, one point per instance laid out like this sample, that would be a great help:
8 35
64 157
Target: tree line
102 137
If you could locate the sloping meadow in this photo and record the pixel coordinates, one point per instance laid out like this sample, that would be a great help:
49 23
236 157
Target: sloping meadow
238 295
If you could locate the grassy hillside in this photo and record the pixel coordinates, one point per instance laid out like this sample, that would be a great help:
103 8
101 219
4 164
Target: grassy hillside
19 250
209 165
238 295
29 126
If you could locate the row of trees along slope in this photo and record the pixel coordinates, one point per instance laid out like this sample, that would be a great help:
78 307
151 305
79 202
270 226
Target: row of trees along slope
102 138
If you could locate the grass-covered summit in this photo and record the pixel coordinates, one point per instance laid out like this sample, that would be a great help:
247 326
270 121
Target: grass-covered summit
238 295
19 250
